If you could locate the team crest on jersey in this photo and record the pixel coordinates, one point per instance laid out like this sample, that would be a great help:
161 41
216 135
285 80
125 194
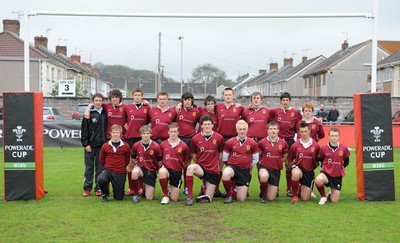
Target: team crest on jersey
121 109
214 141
312 149
248 147
292 114
264 112
234 109
341 153
313 126
170 115
145 111
179 150
280 147
151 152
194 113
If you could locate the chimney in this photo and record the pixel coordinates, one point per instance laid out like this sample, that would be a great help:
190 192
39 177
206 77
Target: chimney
75 58
304 59
61 50
86 65
273 66
11 25
288 62
41 41
345 45
262 71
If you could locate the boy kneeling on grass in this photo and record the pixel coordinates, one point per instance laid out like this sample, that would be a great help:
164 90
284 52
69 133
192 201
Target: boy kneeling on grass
114 157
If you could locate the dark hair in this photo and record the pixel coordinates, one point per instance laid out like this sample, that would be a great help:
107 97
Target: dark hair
206 118
228 89
97 95
285 95
162 93
187 95
303 125
209 99
272 123
115 93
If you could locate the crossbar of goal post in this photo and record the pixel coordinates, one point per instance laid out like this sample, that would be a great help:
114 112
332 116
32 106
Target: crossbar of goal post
205 16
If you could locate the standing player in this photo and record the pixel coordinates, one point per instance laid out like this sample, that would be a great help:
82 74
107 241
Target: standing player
209 110
175 159
334 157
160 117
206 148
114 157
138 115
303 158
257 117
316 129
116 112
240 154
146 154
287 118
93 136
273 152
187 120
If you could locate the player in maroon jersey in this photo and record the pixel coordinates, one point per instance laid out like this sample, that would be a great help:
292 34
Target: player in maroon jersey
114 157
187 120
175 159
209 110
273 152
160 117
206 149
303 155
316 129
334 157
287 118
240 154
228 114
257 116
146 155
138 115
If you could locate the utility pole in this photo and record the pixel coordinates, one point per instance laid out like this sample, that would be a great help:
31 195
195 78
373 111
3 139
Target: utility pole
158 81
181 39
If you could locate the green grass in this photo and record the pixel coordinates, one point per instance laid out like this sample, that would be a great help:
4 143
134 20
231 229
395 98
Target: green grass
64 215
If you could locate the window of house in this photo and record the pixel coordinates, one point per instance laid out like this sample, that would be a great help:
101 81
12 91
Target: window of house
52 75
324 79
48 73
388 74
305 83
59 75
318 81
310 83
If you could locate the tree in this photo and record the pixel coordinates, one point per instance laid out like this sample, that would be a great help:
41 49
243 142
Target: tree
207 73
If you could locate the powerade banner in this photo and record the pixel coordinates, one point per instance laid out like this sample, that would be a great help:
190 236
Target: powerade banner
374 147
23 146
62 133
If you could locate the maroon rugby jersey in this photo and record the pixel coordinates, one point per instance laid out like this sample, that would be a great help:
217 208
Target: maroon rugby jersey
115 115
227 118
316 131
287 120
257 120
333 160
175 158
187 121
137 117
160 121
146 158
271 153
207 151
115 159
214 117
305 158
240 155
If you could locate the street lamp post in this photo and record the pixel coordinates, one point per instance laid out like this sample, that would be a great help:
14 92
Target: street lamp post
181 39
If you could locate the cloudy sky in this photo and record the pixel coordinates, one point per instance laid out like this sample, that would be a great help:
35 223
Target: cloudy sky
236 46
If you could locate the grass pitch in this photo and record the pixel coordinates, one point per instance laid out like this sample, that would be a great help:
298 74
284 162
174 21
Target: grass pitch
64 215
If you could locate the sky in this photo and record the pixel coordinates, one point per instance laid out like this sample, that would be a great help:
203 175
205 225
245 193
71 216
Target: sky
236 46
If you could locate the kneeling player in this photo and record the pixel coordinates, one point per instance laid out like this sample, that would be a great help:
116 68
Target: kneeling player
146 153
240 154
273 152
334 157
175 159
206 148
303 158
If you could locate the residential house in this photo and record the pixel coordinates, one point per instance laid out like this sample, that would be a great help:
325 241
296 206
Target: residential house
388 74
344 73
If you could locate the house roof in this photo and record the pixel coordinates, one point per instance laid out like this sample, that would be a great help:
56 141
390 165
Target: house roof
11 45
262 77
390 46
335 58
295 70
393 58
282 74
